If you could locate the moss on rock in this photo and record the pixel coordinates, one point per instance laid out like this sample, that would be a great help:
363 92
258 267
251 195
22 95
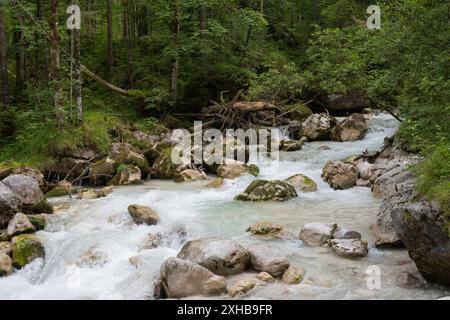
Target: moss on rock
25 249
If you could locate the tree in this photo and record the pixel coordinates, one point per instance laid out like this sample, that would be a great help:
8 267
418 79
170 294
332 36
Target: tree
19 42
3 61
77 74
175 61
55 67
110 57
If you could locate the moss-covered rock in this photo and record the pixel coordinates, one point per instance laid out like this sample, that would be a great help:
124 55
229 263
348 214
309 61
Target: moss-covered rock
164 168
125 154
266 229
39 221
25 249
126 175
102 171
263 190
298 112
63 188
302 183
234 169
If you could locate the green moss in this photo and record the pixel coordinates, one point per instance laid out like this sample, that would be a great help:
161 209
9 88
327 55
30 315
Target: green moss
298 112
39 221
253 170
164 168
25 249
57 192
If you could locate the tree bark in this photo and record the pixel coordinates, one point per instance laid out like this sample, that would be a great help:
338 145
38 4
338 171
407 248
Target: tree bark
41 52
175 63
4 84
127 38
55 67
19 41
77 75
110 57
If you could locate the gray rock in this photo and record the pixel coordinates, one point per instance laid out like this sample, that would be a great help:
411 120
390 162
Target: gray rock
242 287
317 233
5 247
263 190
318 127
293 275
19 224
352 128
6 266
143 215
340 175
268 260
352 101
182 278
3 235
342 233
302 183
27 190
9 205
221 256
350 248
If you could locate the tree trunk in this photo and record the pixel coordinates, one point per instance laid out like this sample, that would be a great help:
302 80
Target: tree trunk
204 42
175 63
127 38
3 62
77 74
19 41
41 52
55 67
110 57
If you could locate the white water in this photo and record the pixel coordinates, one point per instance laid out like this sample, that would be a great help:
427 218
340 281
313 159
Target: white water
106 225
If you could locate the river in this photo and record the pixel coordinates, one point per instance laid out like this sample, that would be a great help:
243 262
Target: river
105 225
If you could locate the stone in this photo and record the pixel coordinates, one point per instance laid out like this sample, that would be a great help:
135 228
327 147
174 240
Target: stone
298 112
302 183
350 248
219 255
3 235
317 233
293 275
270 230
242 287
234 169
182 278
144 215
127 175
291 146
190 175
102 171
352 128
266 259
39 221
103 192
25 249
19 225
6 266
125 154
5 247
351 101
27 190
364 170
164 167
342 233
63 188
263 190
340 175
318 127
216 183
9 205
265 277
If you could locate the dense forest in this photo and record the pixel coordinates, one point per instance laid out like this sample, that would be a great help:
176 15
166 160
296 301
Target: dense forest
153 63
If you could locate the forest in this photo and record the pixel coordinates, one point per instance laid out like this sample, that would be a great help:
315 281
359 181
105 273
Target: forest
90 92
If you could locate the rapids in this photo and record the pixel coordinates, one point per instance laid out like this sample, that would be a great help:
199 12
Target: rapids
105 225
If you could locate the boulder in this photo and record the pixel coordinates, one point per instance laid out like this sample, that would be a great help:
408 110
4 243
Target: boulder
221 256
317 233
234 169
33 173
5 247
6 266
27 190
340 175
39 221
125 154
9 205
293 275
364 170
242 287
266 259
144 215
19 225
382 228
25 249
265 277
270 230
342 233
352 128
164 168
95 193
102 171
263 190
216 183
350 248
318 127
63 188
189 175
126 175
302 183
182 278
390 178
3 235
352 101
297 112
424 230
291 146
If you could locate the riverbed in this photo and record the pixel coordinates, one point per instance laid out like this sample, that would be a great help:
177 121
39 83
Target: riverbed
104 226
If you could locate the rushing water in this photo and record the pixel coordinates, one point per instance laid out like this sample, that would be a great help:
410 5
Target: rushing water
104 226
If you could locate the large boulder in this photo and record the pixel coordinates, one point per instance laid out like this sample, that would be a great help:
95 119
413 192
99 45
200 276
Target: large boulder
317 233
126 175
263 190
340 175
182 278
102 171
25 249
349 248
221 256
125 154
424 230
19 224
27 190
318 127
9 205
164 167
6 266
352 101
352 128
291 145
143 215
269 260
234 169
302 183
